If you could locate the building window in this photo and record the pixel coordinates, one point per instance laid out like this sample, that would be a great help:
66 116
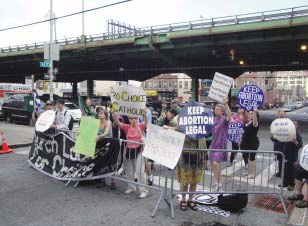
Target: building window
186 85
180 85
150 85
159 85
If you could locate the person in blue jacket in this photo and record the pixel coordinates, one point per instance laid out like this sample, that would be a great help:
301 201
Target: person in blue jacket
290 149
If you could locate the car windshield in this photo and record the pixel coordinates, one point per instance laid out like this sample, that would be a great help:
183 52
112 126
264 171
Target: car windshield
302 111
71 106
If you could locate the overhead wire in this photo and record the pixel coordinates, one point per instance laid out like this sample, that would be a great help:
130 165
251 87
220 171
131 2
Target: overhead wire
64 16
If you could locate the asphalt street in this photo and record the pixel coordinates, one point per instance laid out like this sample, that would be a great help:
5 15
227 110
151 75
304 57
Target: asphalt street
29 198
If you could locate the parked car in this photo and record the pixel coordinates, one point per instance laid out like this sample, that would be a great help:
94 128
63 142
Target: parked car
288 107
298 104
73 110
1 112
17 110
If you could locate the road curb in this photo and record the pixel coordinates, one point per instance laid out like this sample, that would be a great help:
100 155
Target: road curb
18 145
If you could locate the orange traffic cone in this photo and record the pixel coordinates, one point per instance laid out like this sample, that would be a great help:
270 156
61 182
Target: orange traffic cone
5 146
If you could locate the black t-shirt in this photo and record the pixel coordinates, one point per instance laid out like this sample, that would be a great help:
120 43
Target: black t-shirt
250 140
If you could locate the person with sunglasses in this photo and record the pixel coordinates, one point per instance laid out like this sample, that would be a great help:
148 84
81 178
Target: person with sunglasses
134 163
49 105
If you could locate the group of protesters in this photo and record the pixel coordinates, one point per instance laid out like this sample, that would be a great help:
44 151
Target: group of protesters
190 169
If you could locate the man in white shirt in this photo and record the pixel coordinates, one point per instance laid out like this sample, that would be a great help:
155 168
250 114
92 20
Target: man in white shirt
63 117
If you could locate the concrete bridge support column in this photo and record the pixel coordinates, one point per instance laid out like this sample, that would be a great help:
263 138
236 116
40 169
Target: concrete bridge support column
195 89
74 91
90 87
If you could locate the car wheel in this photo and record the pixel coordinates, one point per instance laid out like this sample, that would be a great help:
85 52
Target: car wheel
8 119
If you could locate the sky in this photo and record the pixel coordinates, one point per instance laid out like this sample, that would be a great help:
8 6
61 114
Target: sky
139 13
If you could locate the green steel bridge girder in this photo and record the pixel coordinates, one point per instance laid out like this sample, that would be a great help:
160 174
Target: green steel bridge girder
164 40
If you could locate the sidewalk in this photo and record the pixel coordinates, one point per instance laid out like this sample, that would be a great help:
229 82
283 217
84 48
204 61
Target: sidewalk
17 135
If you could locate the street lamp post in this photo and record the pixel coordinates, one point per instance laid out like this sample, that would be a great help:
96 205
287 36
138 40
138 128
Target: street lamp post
50 52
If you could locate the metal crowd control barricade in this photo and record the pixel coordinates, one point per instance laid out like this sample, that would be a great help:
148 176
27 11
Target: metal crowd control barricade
234 179
134 166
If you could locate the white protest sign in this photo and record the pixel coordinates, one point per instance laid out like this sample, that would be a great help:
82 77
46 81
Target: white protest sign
128 101
303 159
163 146
45 120
220 87
134 83
283 129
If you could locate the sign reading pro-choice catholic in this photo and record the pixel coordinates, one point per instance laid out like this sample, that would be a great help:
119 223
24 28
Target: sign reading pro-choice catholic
128 100
195 120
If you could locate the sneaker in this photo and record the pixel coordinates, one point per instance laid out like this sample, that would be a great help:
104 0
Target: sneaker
150 183
129 191
301 204
143 195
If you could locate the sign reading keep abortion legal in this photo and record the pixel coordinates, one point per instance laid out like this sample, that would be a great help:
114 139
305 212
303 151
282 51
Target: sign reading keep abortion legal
250 96
235 131
195 120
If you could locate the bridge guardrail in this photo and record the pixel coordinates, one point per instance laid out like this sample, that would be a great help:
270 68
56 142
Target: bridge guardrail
289 13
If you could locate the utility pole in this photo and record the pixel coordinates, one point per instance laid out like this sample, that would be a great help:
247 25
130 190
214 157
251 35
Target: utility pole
50 52
82 17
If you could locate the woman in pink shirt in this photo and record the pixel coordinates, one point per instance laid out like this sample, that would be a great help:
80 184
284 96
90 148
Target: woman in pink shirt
133 161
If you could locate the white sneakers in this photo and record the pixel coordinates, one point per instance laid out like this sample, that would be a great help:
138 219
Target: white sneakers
129 191
141 196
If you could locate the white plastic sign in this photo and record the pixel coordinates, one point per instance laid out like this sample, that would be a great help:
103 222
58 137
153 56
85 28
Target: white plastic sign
45 120
163 145
220 87
303 160
283 129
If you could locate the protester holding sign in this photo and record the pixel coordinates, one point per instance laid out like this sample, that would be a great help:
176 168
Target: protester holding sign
290 149
236 118
195 121
133 162
278 145
104 131
250 140
219 141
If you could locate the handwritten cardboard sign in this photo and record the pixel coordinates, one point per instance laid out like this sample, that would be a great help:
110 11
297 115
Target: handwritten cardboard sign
303 159
220 87
45 120
283 129
128 101
250 96
163 146
196 121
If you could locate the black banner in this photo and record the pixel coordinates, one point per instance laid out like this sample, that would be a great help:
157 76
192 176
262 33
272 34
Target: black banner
54 156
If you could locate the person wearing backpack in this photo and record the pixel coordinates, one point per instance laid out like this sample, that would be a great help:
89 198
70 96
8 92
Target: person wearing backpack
63 119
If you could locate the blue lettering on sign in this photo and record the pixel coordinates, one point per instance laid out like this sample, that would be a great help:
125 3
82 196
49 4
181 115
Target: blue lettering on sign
196 121
235 131
250 96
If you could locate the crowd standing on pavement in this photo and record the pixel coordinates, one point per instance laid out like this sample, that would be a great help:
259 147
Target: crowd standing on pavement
190 169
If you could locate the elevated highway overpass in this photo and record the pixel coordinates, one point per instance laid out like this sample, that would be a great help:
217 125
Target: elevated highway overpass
262 41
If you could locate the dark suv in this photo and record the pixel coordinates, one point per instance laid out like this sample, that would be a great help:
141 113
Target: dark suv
18 110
